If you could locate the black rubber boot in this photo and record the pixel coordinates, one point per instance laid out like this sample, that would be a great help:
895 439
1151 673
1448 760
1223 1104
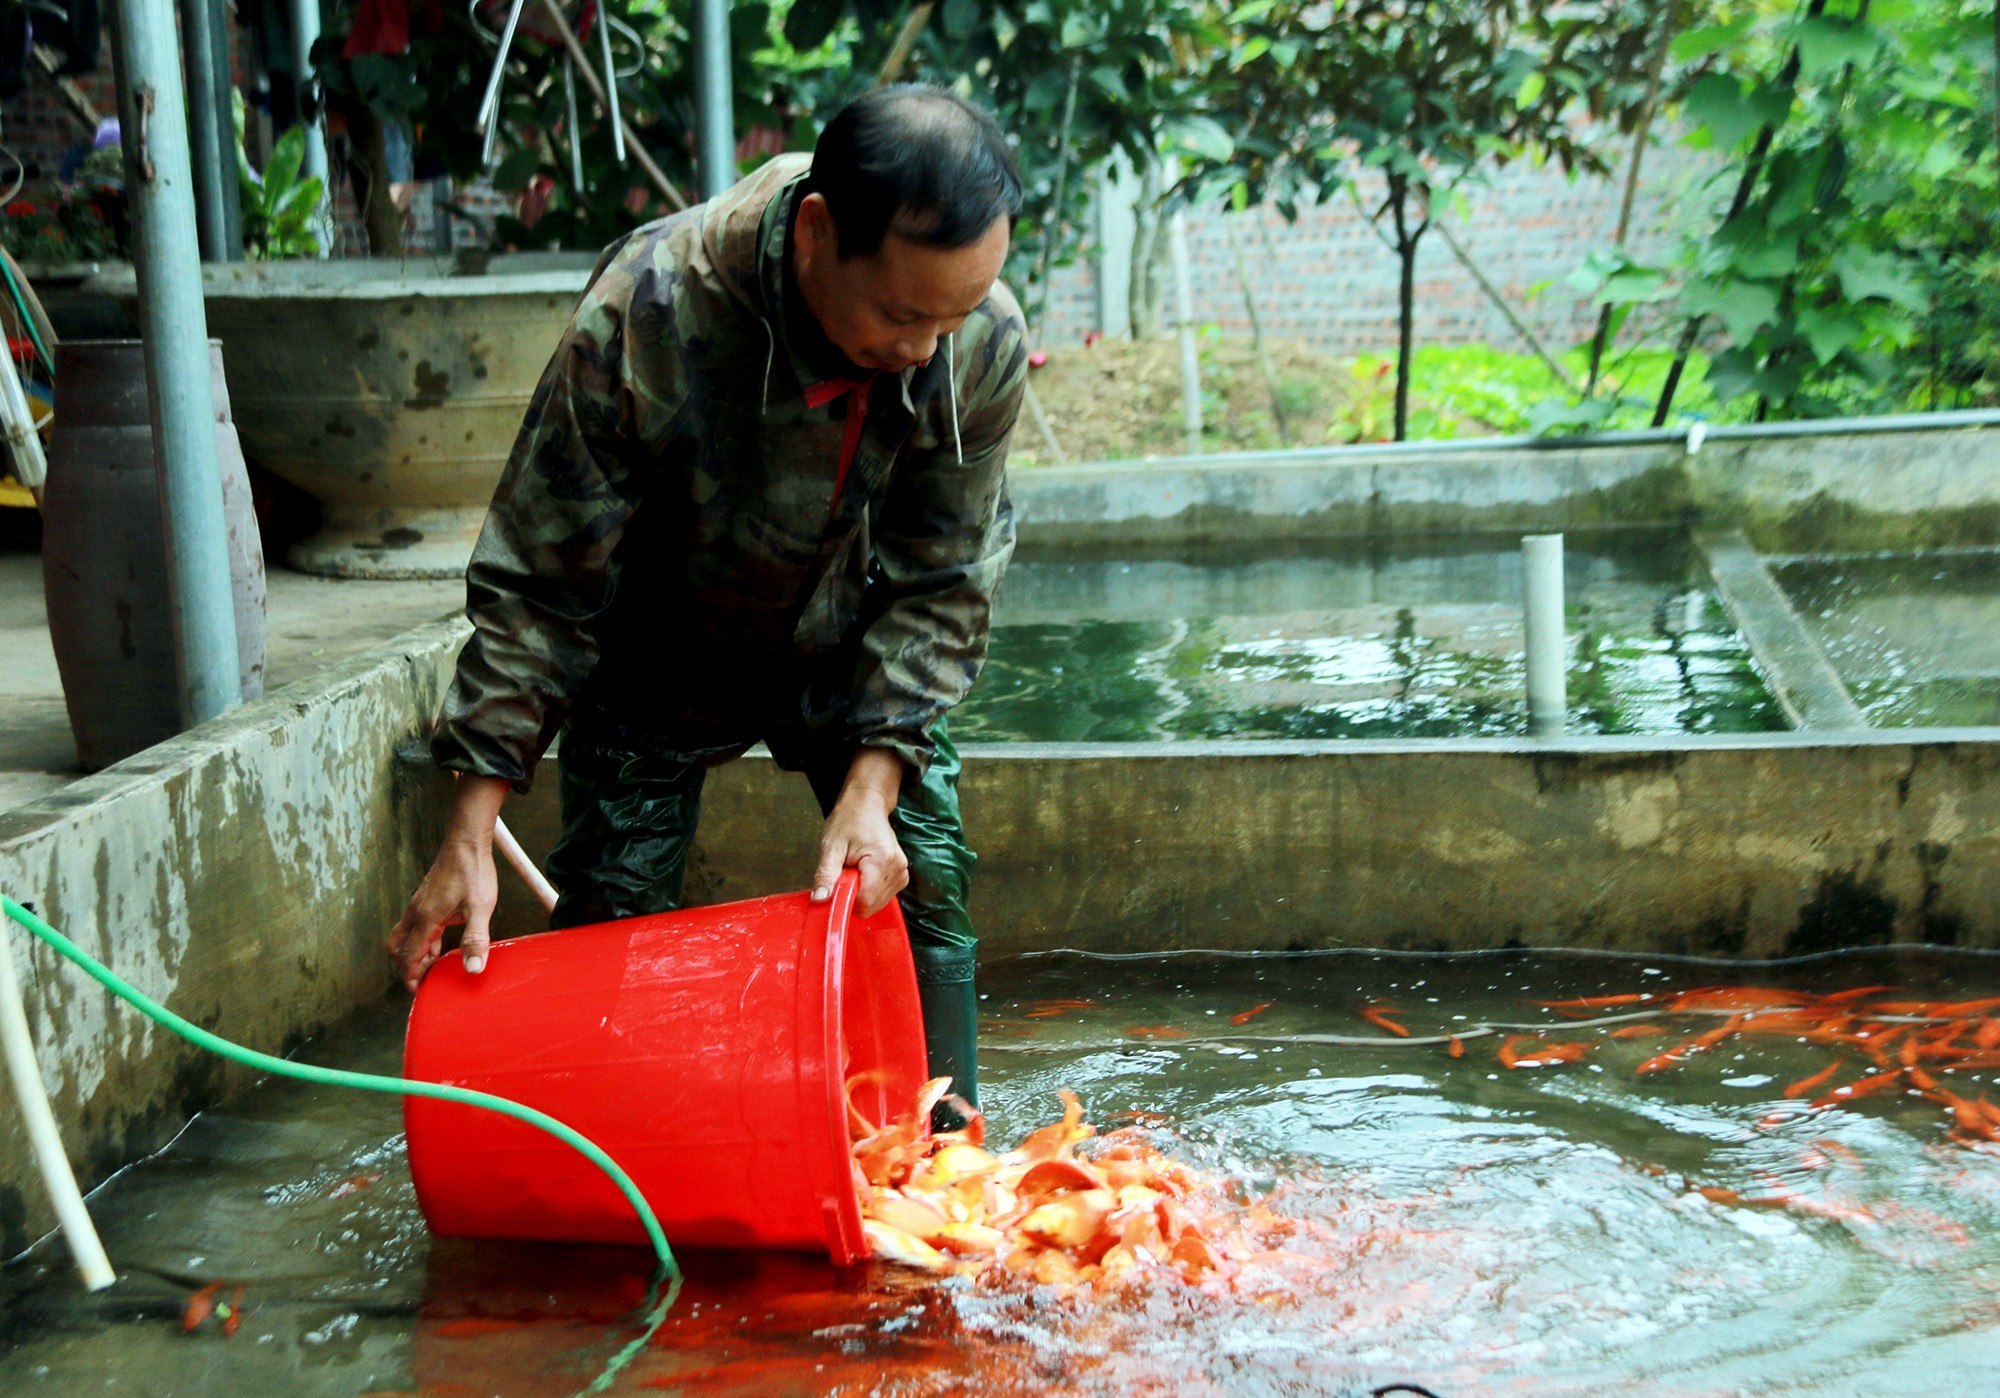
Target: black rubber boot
951 1025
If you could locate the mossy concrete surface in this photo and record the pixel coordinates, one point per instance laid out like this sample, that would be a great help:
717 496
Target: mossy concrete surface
1757 846
245 874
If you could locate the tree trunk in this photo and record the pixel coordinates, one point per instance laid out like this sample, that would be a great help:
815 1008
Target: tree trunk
1406 303
1257 337
1753 167
1602 338
369 169
1147 247
1053 225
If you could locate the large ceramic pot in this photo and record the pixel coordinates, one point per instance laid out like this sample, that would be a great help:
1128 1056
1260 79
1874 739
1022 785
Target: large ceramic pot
104 553
389 390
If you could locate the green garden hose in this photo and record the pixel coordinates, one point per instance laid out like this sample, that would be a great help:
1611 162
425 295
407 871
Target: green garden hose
27 319
669 1270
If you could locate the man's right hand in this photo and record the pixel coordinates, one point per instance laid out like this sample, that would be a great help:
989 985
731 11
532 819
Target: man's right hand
461 887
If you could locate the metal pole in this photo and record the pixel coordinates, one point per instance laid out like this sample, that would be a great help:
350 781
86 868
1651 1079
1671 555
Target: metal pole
174 325
305 33
212 130
1184 314
1542 588
715 134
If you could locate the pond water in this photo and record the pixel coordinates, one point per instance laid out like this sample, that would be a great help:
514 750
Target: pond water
1410 636
1478 1229
1914 636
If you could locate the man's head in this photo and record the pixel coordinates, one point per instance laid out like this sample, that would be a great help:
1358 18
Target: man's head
905 222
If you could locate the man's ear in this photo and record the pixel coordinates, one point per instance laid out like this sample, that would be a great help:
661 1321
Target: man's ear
817 237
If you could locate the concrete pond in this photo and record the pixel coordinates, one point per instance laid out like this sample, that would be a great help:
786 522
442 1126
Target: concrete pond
1252 729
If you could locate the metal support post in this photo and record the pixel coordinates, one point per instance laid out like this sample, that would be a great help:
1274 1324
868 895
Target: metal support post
305 33
715 133
1542 587
212 129
174 325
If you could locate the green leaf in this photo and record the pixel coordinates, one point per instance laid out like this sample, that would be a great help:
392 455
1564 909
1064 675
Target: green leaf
281 171
1531 90
1046 92
961 17
1078 29
1829 330
1256 9
516 169
1693 44
1633 285
1866 273
1250 52
1719 103
1556 414
1826 43
1201 136
1744 308
1239 197
809 22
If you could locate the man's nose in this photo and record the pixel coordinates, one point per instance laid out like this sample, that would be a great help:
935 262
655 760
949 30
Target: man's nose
918 348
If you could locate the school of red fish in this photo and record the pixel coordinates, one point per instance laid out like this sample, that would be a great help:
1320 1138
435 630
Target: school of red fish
1044 1213
1054 1211
1883 1045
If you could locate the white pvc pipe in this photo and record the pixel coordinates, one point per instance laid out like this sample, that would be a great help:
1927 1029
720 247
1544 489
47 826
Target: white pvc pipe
78 1231
544 891
1542 588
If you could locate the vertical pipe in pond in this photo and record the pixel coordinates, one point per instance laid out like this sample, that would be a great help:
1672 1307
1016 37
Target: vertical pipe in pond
1542 597
304 15
1184 314
173 322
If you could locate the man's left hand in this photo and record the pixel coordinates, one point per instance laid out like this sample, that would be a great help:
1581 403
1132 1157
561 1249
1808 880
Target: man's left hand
857 834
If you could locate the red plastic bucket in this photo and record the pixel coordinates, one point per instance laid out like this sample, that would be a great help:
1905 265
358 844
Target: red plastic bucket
709 1052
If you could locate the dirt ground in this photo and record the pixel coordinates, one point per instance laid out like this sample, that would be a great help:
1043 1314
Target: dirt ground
1119 399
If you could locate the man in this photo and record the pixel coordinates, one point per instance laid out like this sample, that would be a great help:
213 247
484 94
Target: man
759 495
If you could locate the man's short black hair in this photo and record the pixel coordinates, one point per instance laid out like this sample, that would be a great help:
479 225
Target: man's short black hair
919 161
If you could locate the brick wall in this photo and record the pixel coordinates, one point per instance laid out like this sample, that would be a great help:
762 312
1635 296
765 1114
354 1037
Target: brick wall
1330 281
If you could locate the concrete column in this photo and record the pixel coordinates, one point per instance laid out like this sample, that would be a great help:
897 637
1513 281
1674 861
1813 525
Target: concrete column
1184 314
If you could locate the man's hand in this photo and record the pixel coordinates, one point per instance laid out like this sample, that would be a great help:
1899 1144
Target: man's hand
460 887
857 833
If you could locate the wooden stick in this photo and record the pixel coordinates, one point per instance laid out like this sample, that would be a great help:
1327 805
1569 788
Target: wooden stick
906 41
1500 303
72 95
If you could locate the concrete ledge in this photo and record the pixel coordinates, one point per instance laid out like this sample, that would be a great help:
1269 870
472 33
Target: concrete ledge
245 874
1754 846
1801 678
1920 481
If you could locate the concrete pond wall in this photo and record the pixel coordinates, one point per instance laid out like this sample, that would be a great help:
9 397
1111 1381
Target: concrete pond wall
1862 484
247 872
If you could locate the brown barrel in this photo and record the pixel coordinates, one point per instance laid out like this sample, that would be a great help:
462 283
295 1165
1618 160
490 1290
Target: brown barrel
104 554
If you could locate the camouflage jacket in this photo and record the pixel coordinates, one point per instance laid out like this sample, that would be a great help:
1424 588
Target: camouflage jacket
667 549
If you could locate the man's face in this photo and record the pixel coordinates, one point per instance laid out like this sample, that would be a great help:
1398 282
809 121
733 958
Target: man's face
887 310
